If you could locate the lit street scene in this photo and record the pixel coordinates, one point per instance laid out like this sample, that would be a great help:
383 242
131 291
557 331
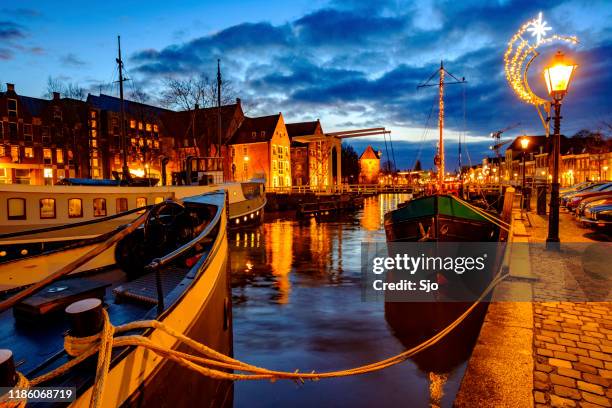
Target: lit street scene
331 203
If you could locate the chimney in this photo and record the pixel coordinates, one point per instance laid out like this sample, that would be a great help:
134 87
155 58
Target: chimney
197 106
238 101
56 96
10 87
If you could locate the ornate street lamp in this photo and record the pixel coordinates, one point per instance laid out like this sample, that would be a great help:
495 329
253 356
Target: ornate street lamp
524 146
558 77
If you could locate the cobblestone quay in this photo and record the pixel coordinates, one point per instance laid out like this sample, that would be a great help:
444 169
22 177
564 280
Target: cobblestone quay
572 341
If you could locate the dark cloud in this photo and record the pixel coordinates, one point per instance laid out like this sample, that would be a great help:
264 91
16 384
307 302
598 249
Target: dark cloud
71 60
11 31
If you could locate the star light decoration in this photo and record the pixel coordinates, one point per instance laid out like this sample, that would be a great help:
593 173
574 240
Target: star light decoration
520 54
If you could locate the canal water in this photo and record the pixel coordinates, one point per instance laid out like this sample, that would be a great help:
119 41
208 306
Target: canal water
297 305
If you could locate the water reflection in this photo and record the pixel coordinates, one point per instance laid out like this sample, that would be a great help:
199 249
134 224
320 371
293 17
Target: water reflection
297 304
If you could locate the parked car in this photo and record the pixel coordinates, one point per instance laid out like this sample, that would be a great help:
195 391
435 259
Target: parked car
596 200
598 217
597 192
575 187
566 198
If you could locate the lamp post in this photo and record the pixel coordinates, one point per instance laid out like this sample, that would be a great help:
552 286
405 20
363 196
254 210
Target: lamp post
557 79
524 146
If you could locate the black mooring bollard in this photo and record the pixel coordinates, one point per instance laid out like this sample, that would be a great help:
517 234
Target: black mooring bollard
86 318
8 375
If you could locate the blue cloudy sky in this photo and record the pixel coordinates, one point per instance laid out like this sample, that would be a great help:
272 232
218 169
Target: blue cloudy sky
350 63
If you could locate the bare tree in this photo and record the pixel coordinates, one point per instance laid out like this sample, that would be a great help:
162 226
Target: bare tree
185 93
69 90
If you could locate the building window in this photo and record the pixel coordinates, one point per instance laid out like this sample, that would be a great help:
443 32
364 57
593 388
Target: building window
59 156
245 166
156 144
94 143
29 152
94 123
15 153
121 205
245 152
99 207
95 172
92 114
148 127
273 165
57 113
155 129
139 125
94 162
94 133
16 208
46 155
12 107
27 132
12 130
47 208
44 132
61 173
22 176
254 134
132 124
141 202
273 149
75 208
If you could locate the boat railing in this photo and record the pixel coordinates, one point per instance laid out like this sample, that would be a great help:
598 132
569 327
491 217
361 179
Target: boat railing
156 264
74 224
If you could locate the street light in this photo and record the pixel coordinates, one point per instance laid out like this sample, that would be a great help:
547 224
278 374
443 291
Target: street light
524 146
557 77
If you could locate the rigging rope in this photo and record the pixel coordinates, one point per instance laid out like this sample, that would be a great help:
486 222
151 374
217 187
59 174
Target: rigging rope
209 363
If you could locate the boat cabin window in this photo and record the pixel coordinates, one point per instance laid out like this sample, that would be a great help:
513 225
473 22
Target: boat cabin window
16 208
99 207
121 205
158 200
75 208
47 208
141 202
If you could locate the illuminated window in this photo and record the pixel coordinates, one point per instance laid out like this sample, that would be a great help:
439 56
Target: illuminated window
2 151
141 202
15 153
148 127
46 155
254 134
133 141
95 173
59 155
75 208
117 159
94 162
132 124
94 133
149 142
94 143
155 128
158 200
12 107
47 208
16 208
94 124
92 114
61 173
48 172
99 207
121 205
139 125
29 152
156 144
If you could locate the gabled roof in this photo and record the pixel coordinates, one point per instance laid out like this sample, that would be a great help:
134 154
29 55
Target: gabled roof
35 106
179 123
302 128
369 153
255 130
113 104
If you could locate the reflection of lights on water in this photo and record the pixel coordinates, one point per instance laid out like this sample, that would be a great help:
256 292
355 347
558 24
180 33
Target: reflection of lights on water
436 388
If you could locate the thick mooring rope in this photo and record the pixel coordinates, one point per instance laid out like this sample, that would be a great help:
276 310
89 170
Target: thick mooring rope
493 220
206 361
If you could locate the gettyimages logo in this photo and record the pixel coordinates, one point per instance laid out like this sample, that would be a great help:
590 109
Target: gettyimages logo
427 271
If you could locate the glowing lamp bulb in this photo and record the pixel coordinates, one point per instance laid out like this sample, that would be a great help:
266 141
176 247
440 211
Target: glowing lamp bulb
558 76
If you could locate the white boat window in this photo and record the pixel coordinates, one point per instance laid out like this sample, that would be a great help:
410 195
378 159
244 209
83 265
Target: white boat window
141 202
16 208
99 207
121 205
47 208
75 208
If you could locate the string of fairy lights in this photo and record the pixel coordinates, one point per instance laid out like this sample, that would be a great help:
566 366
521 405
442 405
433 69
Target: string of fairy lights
521 52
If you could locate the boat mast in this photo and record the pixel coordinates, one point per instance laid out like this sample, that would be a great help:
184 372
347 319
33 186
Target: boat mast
125 169
441 127
219 105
